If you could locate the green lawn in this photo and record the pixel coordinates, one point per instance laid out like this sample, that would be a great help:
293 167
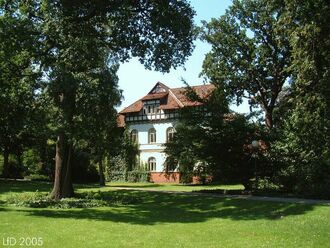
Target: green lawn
173 187
167 220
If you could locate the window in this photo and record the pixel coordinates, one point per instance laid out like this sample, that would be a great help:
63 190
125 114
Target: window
152 136
169 134
152 164
134 136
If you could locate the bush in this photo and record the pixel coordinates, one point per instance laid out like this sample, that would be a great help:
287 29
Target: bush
116 169
1 164
113 176
32 161
34 200
128 176
83 200
15 169
138 176
37 177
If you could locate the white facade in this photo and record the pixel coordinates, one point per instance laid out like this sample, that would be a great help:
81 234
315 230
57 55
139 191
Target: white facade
148 149
151 121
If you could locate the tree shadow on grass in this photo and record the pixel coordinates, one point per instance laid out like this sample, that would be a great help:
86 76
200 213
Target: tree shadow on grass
172 208
23 186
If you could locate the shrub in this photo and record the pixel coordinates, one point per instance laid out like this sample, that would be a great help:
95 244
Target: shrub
15 169
138 176
1 164
114 176
34 200
83 200
116 169
37 177
32 161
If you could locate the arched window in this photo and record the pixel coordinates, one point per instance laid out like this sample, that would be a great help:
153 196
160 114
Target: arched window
134 136
152 164
170 134
152 136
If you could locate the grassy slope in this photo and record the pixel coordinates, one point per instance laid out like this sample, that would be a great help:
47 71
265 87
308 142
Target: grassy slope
166 220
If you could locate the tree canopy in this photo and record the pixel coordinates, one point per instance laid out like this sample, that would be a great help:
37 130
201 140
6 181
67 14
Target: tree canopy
76 44
250 53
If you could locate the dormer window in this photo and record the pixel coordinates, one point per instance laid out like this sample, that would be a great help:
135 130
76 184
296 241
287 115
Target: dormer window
151 107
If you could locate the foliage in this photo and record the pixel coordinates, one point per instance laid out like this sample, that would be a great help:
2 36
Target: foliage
84 170
210 141
32 161
85 200
259 45
117 171
123 164
1 164
301 151
250 53
76 47
37 177
19 80
138 176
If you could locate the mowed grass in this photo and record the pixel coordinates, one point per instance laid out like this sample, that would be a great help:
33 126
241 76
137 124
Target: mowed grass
166 220
173 187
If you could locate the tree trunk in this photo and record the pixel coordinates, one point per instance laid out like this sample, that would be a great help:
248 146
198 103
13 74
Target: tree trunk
269 119
101 172
5 172
63 182
67 190
63 160
59 156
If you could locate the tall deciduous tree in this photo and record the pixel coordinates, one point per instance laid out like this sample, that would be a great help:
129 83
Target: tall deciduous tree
18 84
250 53
74 37
212 140
97 117
303 147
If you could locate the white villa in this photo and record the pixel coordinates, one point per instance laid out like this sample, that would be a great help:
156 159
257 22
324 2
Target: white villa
151 122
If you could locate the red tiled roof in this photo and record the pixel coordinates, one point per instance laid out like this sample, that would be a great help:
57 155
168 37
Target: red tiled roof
171 103
154 96
133 108
203 91
172 98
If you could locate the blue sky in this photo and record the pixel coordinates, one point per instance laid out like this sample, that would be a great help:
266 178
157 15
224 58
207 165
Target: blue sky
136 81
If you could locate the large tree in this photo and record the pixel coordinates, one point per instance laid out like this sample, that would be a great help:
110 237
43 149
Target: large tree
19 80
212 141
250 53
74 38
303 146
97 115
